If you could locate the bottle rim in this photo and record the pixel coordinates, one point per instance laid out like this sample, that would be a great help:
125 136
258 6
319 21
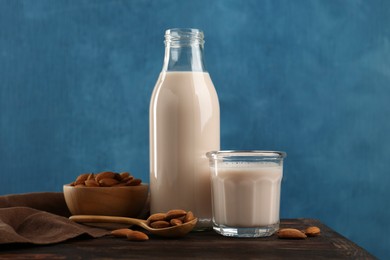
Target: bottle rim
184 36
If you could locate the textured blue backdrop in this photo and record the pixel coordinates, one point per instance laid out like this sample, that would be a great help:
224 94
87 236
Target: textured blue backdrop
311 78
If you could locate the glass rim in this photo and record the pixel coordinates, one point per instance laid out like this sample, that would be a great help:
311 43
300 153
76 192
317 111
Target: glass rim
246 153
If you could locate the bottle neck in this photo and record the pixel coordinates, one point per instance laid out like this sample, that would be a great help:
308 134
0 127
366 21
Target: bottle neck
184 50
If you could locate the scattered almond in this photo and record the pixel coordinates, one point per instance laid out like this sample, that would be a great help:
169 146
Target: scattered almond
312 231
122 232
137 236
291 233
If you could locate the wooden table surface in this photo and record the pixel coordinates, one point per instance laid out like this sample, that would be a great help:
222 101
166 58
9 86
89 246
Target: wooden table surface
202 245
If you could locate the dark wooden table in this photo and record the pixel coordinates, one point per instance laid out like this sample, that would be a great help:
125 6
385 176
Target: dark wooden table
202 245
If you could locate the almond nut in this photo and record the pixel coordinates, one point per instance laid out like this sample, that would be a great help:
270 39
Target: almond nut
124 175
122 232
156 217
127 179
91 176
104 175
188 217
159 224
117 177
291 233
91 183
134 182
175 213
137 236
107 182
312 231
81 179
175 222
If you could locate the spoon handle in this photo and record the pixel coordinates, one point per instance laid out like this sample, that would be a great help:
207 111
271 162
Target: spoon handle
107 219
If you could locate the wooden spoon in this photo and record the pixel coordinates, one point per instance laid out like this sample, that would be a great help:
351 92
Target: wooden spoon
174 231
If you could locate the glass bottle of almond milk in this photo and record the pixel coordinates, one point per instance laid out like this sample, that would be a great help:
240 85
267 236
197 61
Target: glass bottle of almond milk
184 126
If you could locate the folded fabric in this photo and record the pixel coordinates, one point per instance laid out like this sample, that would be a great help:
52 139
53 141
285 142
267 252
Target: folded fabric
26 218
53 202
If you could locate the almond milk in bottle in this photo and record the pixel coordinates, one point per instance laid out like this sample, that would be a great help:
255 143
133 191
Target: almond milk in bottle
184 125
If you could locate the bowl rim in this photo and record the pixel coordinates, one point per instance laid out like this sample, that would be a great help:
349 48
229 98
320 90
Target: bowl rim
142 184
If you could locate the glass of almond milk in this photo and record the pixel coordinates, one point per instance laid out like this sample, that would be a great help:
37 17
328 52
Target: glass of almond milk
245 187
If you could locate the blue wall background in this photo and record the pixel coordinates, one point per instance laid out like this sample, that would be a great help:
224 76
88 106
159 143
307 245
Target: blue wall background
311 78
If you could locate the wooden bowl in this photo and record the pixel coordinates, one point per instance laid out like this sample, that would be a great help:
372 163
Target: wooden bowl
126 201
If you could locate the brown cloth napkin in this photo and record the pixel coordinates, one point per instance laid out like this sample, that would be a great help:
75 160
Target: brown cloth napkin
39 218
